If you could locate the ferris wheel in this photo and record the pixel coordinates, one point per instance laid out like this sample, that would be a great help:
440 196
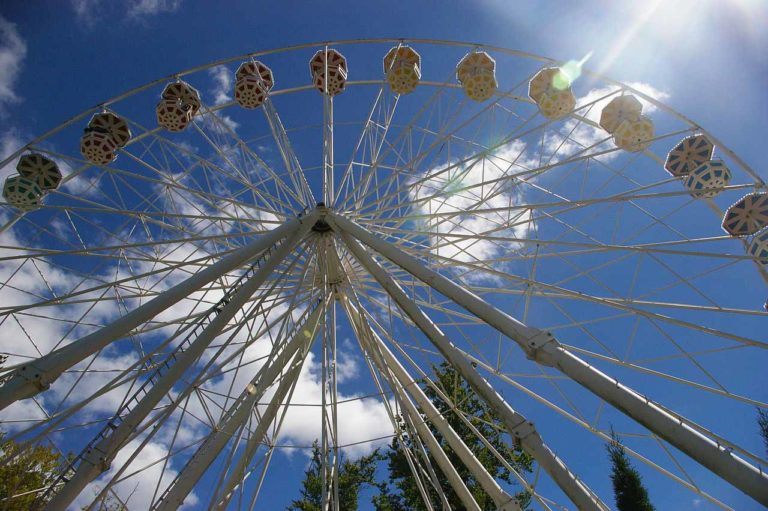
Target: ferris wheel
197 283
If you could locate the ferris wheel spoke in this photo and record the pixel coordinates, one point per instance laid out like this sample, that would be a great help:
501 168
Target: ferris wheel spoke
567 205
405 133
48 367
123 283
605 436
660 374
483 152
524 177
617 304
256 188
234 418
401 380
171 183
443 395
442 136
82 470
586 248
270 201
371 140
513 421
461 240
676 430
167 177
290 160
97 251
238 472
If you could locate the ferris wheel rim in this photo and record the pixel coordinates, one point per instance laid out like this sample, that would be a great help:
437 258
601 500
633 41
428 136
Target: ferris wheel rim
341 42
355 83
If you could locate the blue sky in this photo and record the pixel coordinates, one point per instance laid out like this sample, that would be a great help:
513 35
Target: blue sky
707 58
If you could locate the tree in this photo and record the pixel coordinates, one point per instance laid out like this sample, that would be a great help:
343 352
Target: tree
353 475
762 422
401 493
628 489
24 474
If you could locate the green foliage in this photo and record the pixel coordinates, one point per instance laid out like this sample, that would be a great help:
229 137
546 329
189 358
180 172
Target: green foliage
353 475
401 492
628 489
110 503
762 422
26 472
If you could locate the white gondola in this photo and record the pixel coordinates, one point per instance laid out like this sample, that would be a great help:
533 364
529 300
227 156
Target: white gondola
688 155
179 104
254 81
708 179
402 66
619 110
476 73
22 192
329 72
758 248
40 169
634 135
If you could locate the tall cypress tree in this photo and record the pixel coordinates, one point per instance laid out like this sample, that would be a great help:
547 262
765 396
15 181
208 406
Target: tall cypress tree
762 422
400 492
628 489
353 475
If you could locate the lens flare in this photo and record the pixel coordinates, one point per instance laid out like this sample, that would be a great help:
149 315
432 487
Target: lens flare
569 73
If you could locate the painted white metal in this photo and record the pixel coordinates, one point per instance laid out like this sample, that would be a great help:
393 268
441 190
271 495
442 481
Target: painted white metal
238 472
388 205
372 342
519 427
237 414
412 413
290 160
542 347
396 427
328 185
98 458
37 375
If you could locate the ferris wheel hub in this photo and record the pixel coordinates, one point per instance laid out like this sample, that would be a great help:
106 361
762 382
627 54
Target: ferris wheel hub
321 225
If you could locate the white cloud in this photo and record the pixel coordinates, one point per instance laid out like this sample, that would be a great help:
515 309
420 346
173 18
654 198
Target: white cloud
152 7
222 78
10 141
88 11
460 190
13 50
137 490
218 124
360 420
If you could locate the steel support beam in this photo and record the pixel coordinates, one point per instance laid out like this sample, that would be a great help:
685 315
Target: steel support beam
237 414
543 348
98 458
385 360
237 473
290 160
412 413
517 425
328 185
37 375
